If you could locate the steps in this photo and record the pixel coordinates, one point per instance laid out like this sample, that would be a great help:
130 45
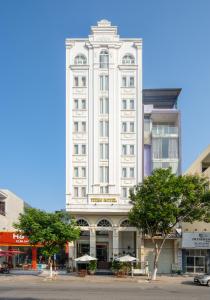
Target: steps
103 272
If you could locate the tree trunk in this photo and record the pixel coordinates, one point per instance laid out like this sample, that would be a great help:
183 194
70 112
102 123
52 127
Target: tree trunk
157 254
51 269
155 262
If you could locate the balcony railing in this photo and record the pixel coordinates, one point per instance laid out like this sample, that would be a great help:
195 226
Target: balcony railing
164 130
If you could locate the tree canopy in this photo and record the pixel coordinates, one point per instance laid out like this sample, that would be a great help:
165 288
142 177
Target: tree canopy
163 200
51 230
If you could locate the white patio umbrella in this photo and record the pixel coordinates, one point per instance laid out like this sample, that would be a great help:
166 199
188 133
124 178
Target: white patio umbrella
85 258
126 258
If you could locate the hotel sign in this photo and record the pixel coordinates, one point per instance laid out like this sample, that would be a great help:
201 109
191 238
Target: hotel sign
196 240
103 200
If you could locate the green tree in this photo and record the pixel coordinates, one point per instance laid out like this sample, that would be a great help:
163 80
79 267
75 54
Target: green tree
164 200
51 230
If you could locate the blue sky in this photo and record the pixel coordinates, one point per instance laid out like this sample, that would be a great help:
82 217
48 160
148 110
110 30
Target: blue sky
176 53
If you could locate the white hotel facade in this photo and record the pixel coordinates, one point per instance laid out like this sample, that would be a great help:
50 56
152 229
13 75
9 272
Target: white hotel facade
104 141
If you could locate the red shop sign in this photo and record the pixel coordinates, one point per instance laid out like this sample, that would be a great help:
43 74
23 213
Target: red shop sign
13 238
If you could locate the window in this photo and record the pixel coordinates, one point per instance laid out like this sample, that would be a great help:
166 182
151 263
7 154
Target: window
104 59
2 208
76 172
124 104
131 149
76 127
106 131
76 193
125 223
76 149
131 81
83 126
83 104
82 222
80 81
76 81
165 148
131 104
124 127
104 223
146 124
124 81
104 189
104 128
124 149
104 83
76 104
131 126
104 151
83 191
104 105
127 81
83 81
104 174
80 60
131 172
128 59
83 149
124 192
83 171
124 172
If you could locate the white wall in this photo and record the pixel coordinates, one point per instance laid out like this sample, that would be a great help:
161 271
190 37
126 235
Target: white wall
14 206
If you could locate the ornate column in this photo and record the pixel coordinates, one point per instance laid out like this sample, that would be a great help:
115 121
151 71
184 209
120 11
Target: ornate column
115 242
138 245
92 242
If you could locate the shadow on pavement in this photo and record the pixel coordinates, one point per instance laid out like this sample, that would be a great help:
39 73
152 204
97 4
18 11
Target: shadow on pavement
25 298
189 283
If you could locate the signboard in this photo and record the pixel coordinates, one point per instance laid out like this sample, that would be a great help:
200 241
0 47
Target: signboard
13 238
196 240
103 200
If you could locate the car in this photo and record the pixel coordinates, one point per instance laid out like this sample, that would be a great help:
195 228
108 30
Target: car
202 279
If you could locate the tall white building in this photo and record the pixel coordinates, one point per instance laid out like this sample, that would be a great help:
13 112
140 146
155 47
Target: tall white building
104 139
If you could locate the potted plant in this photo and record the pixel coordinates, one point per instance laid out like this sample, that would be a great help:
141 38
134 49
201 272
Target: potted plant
92 267
115 266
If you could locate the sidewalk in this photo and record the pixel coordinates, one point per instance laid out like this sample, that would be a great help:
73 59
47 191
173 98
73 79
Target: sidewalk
94 278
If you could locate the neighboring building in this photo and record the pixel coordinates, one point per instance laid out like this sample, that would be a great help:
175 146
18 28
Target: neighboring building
105 142
196 236
10 208
162 144
162 130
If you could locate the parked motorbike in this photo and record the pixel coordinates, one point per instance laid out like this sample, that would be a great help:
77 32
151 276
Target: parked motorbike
4 270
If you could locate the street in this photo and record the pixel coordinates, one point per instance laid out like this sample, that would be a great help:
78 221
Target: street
100 287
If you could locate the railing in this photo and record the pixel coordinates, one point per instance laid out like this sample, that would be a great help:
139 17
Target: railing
164 130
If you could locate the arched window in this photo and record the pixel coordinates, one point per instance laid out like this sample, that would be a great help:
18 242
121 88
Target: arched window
82 222
80 60
104 59
104 223
125 223
128 59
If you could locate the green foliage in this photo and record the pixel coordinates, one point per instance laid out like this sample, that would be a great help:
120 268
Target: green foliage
116 265
92 265
164 199
52 230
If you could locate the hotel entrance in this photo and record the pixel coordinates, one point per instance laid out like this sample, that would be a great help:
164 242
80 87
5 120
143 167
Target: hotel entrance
102 256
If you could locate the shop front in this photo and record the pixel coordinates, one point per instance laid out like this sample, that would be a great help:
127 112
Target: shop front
196 252
23 255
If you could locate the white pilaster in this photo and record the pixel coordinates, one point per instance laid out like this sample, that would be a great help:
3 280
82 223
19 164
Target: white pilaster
92 242
115 242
